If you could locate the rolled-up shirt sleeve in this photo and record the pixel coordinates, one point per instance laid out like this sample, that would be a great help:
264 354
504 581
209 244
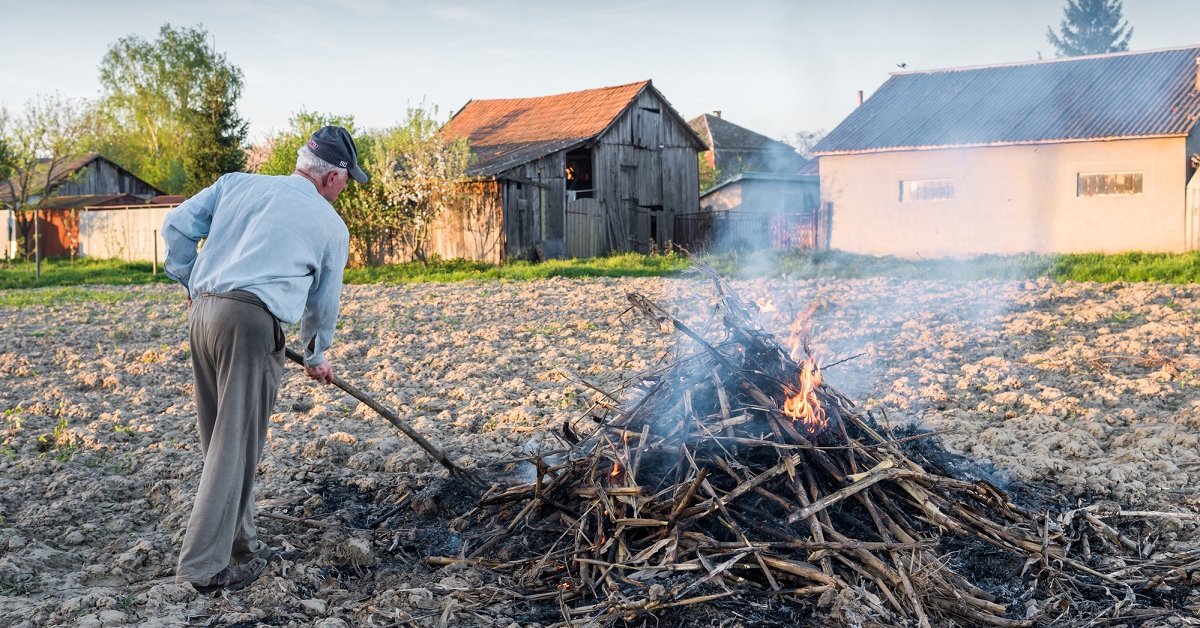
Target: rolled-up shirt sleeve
321 309
184 227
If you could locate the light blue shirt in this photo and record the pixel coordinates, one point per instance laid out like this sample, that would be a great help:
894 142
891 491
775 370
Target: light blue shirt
274 236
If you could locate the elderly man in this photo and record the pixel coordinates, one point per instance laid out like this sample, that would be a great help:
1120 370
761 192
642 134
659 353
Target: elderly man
274 250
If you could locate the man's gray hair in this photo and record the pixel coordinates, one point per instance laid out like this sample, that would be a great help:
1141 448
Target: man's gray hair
307 161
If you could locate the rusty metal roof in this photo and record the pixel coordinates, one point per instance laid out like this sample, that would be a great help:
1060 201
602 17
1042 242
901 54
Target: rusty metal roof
507 132
1114 96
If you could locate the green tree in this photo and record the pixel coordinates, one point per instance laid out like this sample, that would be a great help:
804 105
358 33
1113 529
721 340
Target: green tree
416 176
301 126
710 176
170 109
50 132
6 154
1091 27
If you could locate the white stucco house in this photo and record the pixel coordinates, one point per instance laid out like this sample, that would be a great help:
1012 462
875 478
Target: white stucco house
1059 156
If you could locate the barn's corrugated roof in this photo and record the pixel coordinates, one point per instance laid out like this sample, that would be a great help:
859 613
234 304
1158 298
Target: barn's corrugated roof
1123 95
506 132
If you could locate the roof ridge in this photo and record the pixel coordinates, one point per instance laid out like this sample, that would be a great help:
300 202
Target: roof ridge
571 93
1106 55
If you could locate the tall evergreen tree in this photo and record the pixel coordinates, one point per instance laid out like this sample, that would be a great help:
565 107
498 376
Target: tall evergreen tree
171 109
1091 27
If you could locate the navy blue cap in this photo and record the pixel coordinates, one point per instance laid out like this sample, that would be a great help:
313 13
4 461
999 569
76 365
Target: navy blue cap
333 144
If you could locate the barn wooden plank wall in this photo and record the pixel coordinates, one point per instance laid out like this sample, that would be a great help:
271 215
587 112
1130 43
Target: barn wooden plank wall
102 177
644 172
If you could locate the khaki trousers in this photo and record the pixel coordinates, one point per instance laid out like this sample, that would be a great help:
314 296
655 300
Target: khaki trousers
237 360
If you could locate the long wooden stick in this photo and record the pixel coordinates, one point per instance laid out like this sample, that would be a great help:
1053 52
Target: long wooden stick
434 452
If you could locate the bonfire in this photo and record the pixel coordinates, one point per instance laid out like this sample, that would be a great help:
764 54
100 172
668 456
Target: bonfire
737 473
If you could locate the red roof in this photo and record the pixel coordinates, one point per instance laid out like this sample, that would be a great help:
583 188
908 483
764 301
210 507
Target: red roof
575 115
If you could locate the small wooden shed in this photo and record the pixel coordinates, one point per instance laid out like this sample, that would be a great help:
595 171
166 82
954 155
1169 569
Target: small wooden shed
571 175
87 181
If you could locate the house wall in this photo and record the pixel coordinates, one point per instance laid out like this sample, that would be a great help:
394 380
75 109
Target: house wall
102 177
764 196
726 198
646 172
1192 148
1008 199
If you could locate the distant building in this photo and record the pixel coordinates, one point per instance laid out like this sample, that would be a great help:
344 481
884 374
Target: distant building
576 174
735 149
764 192
760 201
1058 156
81 184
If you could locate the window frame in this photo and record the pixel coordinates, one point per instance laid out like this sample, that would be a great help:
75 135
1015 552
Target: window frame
1140 178
906 192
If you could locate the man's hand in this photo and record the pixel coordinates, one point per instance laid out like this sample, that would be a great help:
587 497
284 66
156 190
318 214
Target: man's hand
322 372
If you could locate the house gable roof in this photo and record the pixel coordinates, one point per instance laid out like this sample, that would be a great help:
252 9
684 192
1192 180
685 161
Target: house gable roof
507 132
1113 96
732 144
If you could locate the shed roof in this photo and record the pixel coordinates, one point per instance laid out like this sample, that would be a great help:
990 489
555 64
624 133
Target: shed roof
80 201
775 177
1113 96
506 132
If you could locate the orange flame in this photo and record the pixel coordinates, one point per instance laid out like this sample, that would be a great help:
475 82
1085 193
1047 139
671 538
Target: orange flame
616 471
804 405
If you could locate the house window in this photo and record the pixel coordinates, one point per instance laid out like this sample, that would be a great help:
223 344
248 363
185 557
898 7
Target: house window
1108 183
927 190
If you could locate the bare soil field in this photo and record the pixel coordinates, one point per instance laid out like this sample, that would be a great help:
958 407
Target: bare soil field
1093 389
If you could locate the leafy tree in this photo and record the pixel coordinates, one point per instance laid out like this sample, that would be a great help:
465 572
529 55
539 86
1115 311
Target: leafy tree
1091 27
283 145
709 175
49 133
170 109
6 154
416 175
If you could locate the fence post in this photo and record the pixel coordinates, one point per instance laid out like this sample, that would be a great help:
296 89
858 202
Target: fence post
154 264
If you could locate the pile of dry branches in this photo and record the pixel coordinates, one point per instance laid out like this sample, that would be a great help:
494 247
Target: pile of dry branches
737 473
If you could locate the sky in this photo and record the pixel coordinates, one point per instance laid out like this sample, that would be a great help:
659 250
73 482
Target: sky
775 66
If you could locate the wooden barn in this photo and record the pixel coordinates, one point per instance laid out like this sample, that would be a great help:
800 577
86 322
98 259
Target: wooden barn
576 175
82 183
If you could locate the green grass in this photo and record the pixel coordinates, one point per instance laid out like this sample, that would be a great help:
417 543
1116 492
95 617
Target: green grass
65 280
83 271
1155 267
622 265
